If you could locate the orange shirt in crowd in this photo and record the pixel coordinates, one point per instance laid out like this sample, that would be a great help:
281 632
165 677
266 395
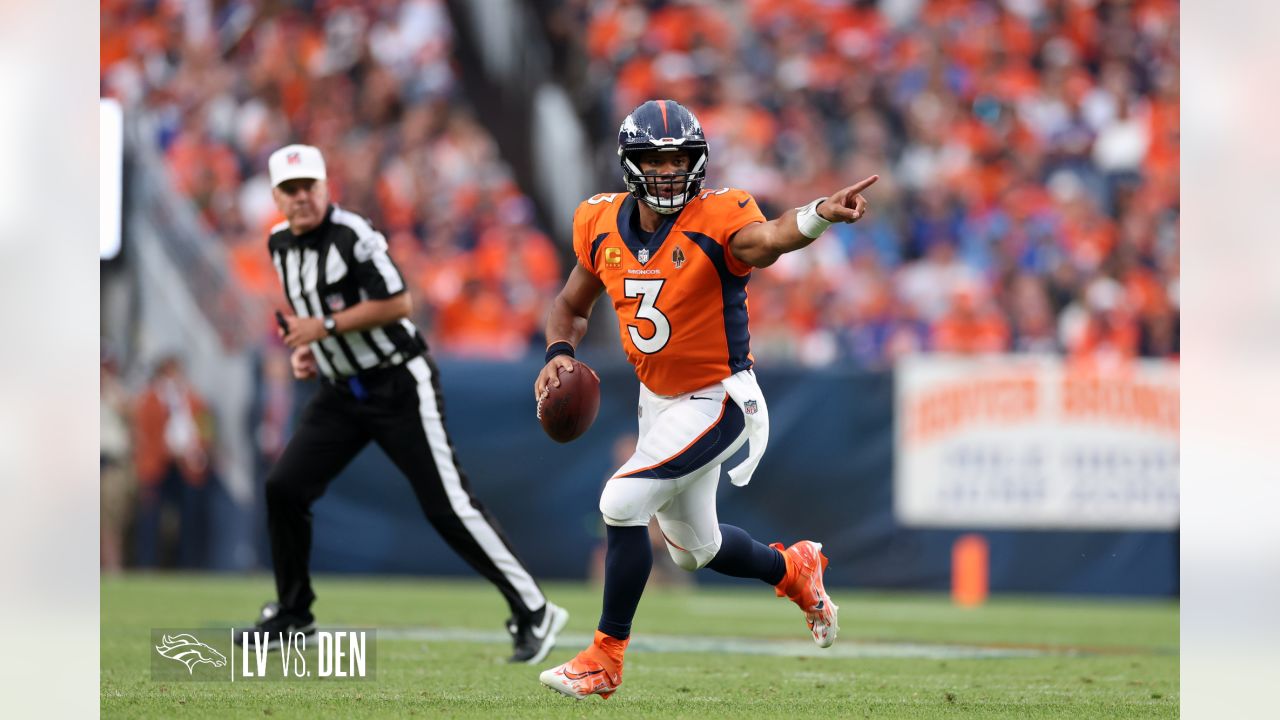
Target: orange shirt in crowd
480 323
963 330
1114 336
152 454
511 254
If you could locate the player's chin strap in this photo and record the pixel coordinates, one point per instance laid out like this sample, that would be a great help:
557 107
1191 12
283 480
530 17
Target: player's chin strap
743 390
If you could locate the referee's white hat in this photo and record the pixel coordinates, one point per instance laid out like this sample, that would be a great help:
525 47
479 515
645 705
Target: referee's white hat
296 161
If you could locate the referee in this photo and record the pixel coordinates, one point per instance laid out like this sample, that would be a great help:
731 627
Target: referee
349 324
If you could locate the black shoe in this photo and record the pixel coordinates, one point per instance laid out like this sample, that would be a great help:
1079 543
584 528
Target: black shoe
277 625
535 635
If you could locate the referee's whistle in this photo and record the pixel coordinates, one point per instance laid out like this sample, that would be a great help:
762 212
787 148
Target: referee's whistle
284 326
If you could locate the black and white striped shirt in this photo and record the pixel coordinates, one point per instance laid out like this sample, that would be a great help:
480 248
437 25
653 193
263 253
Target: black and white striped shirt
340 263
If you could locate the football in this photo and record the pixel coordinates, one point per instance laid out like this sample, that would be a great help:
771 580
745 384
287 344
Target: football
567 411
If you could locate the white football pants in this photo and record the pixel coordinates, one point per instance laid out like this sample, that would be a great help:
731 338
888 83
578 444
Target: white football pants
675 470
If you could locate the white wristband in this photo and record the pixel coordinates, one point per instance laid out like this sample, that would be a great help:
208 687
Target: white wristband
811 224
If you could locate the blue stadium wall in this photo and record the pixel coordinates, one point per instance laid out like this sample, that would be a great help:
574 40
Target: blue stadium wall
828 475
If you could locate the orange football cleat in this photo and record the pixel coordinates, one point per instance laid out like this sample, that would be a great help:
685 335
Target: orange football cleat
594 671
803 584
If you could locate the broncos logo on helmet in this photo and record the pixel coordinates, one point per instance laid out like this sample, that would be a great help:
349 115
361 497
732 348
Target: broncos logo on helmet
663 125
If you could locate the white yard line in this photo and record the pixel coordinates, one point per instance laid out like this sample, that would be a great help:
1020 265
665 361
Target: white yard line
737 645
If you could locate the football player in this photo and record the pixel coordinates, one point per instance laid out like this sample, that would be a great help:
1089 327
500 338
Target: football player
675 258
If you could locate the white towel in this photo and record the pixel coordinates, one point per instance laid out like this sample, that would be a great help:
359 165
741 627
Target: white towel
743 390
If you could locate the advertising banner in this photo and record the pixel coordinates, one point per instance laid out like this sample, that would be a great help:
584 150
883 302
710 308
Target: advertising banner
1036 442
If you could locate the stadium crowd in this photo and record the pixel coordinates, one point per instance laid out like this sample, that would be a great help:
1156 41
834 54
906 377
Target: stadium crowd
373 85
1028 151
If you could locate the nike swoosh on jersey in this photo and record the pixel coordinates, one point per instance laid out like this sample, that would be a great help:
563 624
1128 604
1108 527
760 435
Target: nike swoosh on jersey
743 203
695 397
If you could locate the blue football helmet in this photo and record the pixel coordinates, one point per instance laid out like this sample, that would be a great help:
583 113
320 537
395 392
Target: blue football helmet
666 126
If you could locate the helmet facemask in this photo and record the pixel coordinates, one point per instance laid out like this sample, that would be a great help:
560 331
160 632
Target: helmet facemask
679 187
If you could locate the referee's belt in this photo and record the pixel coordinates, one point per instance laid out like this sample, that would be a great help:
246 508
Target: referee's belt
359 382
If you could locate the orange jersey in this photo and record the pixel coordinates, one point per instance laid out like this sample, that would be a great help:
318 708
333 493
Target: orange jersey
681 298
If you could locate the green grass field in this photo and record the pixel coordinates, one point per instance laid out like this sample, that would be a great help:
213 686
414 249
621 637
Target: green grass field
697 653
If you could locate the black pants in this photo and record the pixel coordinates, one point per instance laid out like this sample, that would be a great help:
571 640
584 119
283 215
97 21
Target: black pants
403 414
191 501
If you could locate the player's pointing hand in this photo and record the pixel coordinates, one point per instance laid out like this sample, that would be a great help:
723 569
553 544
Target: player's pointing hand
847 205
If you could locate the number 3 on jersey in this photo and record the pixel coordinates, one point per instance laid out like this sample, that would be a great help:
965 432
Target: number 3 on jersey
647 291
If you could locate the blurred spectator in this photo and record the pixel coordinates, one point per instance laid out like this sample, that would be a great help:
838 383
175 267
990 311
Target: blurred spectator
115 465
480 323
273 408
172 436
1032 327
971 326
933 283
1099 326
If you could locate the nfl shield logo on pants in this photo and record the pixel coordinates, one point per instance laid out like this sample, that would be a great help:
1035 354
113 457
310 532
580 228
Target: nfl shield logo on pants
750 407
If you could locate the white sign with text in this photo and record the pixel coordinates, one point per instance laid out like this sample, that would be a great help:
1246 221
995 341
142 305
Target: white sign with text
1036 442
